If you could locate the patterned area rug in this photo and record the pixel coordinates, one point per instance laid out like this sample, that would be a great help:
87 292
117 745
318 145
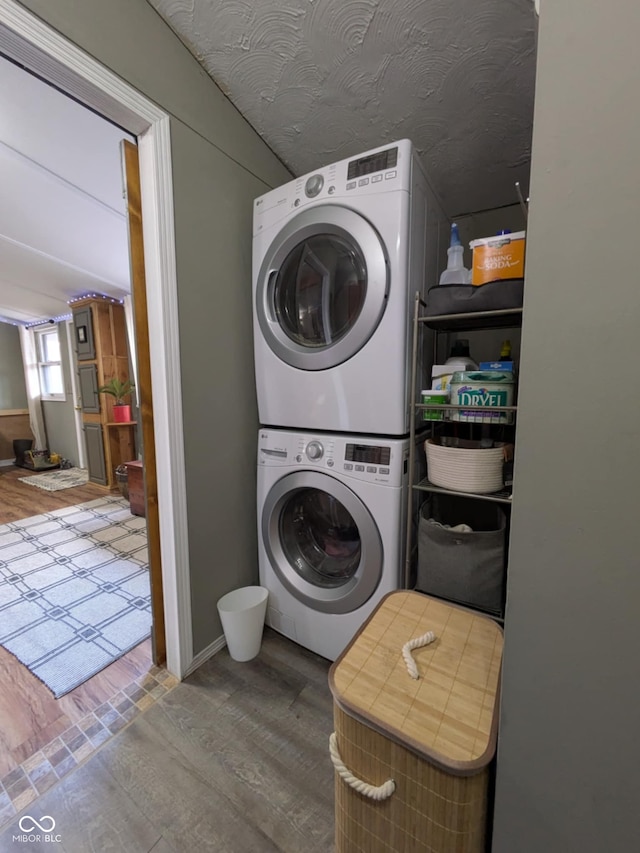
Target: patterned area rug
74 590
53 481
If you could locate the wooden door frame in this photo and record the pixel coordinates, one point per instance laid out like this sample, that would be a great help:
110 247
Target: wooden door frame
33 44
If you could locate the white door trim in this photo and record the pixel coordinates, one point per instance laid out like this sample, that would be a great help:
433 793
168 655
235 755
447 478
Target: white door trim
26 39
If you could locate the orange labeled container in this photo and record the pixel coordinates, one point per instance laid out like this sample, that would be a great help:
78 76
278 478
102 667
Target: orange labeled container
498 257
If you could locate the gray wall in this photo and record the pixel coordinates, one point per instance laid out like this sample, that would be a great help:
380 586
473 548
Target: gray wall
220 164
59 418
13 392
568 758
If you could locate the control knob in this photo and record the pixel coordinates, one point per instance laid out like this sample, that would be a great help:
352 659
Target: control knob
314 450
313 186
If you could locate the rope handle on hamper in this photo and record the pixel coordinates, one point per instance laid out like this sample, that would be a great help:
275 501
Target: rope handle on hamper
381 792
416 643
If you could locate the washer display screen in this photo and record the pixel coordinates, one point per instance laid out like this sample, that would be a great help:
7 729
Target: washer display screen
368 454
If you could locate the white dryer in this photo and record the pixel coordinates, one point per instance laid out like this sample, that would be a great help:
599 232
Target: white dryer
331 531
337 258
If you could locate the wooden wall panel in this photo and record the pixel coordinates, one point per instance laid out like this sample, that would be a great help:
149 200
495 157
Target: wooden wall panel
13 424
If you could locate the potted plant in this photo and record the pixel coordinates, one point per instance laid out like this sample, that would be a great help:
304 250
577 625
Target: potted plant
119 389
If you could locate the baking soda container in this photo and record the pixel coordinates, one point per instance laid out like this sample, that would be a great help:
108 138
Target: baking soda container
482 390
497 257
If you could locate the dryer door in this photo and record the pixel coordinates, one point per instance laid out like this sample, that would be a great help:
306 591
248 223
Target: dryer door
322 288
322 542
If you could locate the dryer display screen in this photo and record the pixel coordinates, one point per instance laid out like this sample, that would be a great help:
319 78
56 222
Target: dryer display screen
373 163
368 454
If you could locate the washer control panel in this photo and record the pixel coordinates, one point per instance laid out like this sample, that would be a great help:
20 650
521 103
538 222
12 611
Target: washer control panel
367 460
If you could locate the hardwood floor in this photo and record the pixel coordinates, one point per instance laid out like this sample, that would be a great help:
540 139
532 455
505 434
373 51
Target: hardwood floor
30 718
233 759
18 500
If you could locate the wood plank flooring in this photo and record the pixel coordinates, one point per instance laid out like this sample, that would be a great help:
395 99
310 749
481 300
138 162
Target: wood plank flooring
233 759
30 718
18 500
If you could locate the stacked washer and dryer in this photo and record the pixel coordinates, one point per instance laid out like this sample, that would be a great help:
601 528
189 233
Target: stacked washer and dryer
337 257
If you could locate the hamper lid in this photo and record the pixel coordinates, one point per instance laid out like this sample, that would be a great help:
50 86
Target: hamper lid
449 714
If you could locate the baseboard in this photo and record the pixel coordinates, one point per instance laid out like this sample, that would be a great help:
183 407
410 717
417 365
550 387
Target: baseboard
6 463
205 654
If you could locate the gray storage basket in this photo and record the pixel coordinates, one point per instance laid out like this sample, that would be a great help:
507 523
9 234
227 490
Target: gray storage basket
467 568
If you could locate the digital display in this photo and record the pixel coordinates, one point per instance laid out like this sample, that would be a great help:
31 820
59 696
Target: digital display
368 454
373 163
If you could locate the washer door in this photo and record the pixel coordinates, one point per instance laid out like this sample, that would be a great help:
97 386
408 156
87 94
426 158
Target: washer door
322 288
322 542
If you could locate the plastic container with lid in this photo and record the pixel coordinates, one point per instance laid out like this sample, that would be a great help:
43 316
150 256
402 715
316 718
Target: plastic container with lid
434 395
498 257
482 391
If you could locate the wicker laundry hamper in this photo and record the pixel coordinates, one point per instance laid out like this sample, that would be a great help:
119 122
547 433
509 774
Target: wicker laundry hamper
434 737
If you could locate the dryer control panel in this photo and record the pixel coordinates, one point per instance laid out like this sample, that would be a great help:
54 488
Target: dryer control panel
383 169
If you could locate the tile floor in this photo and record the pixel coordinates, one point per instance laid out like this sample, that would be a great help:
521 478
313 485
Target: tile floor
41 771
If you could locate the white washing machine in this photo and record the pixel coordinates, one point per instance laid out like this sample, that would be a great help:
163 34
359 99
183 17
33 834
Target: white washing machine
331 531
337 258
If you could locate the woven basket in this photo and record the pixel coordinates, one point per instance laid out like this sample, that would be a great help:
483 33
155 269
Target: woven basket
465 468
434 737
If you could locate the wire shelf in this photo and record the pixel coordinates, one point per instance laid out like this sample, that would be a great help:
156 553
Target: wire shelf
503 496
468 321
453 413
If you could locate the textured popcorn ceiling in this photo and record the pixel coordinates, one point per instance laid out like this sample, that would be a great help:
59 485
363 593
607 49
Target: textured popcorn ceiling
321 80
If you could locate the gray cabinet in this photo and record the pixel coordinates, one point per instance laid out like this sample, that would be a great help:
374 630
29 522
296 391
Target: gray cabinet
83 327
95 453
89 396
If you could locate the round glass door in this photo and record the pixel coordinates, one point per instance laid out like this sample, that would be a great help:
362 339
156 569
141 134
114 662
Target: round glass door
320 290
319 538
322 542
322 287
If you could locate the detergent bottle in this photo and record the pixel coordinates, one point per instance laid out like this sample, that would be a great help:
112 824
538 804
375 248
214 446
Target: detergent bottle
455 273
460 356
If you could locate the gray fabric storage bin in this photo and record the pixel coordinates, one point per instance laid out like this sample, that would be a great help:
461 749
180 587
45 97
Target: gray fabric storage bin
467 568
465 298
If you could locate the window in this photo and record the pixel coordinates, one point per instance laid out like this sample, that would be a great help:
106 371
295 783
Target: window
50 365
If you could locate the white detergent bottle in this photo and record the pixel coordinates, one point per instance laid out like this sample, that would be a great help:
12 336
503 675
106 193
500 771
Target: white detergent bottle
460 357
455 273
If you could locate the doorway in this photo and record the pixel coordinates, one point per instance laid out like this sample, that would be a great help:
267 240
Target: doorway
31 43
81 538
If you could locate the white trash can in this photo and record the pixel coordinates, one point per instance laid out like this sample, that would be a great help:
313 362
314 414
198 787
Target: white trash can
242 613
